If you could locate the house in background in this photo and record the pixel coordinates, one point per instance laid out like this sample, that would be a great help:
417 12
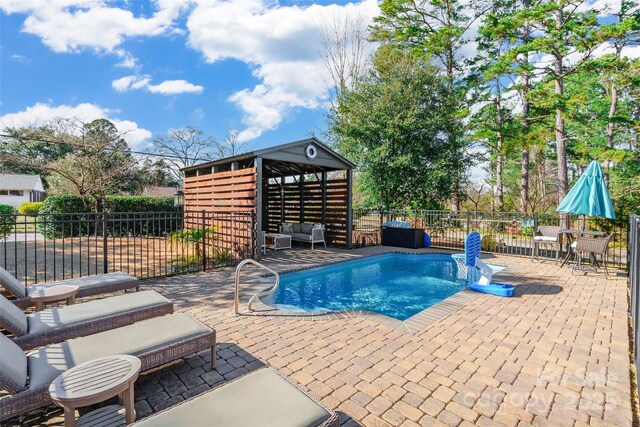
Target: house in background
17 189
159 191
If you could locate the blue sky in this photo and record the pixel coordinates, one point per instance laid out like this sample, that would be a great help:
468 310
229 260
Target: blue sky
249 65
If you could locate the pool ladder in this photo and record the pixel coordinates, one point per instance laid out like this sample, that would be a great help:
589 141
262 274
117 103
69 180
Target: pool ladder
236 300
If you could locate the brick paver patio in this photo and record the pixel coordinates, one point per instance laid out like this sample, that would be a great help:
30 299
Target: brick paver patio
557 354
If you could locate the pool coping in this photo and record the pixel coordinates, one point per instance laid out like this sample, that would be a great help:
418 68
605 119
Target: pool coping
411 326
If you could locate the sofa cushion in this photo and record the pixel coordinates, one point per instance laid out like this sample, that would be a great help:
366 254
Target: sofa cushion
12 318
13 366
44 321
86 283
287 228
260 398
46 363
11 284
306 228
296 228
301 237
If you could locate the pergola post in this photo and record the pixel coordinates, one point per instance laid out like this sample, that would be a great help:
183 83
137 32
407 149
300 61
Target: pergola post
324 198
281 200
301 198
349 209
258 207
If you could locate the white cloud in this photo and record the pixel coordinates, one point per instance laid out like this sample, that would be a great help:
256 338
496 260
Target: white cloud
167 87
173 87
282 45
72 25
127 60
41 113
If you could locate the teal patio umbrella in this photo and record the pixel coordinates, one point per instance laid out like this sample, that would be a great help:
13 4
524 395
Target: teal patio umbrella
589 196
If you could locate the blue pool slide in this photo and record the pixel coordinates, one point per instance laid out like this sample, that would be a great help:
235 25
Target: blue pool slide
484 284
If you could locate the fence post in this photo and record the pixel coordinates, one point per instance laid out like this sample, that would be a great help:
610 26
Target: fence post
468 222
204 240
105 243
251 235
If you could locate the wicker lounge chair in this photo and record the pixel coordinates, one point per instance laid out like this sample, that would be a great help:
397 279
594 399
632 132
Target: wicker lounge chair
89 285
63 323
261 398
155 341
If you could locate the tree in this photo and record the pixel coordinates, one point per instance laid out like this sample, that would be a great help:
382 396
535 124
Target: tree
343 40
189 145
100 162
26 150
435 29
392 125
184 147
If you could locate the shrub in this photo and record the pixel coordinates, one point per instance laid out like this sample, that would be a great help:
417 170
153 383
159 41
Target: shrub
66 215
29 208
62 215
7 220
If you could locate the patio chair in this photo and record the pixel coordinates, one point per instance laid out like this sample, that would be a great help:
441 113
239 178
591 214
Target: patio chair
73 321
88 285
594 246
547 234
260 398
155 341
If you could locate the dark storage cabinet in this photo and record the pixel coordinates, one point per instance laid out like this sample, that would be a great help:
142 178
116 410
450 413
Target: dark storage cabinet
403 237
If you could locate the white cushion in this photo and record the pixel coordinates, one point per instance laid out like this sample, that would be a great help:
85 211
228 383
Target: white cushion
545 239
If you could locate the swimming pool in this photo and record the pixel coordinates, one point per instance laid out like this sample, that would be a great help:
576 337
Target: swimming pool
396 285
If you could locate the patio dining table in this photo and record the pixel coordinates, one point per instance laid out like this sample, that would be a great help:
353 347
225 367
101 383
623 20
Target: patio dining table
569 232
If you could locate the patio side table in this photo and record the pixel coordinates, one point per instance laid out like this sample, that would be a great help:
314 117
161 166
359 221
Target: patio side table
277 241
53 294
96 381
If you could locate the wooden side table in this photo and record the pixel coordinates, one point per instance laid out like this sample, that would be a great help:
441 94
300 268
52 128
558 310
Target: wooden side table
53 294
96 381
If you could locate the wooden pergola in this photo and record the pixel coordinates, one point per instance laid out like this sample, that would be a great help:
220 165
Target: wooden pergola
303 181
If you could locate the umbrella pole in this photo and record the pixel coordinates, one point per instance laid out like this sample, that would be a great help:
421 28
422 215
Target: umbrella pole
584 222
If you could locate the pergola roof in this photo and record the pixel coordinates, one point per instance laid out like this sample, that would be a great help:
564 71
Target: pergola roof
286 159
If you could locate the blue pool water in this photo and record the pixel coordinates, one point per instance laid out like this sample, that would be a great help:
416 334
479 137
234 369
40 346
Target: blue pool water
396 285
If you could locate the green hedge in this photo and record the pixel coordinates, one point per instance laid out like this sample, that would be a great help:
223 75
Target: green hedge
66 215
29 208
7 220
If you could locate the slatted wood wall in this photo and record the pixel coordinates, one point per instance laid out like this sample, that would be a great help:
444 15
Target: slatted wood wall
284 205
229 200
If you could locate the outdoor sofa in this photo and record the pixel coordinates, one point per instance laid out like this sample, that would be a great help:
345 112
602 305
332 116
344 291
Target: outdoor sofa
260 398
88 285
73 321
306 233
155 341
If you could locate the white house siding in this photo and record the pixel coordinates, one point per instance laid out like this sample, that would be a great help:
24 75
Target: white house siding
15 201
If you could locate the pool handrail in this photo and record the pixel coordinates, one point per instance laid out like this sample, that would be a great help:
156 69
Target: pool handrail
236 300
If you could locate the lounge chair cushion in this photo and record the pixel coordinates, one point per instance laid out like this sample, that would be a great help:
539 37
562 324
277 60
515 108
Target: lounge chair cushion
56 318
297 228
46 363
11 284
12 318
262 398
13 366
87 282
306 228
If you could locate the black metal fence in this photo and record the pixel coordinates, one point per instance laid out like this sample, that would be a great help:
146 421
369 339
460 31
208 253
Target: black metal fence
508 233
634 284
47 247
